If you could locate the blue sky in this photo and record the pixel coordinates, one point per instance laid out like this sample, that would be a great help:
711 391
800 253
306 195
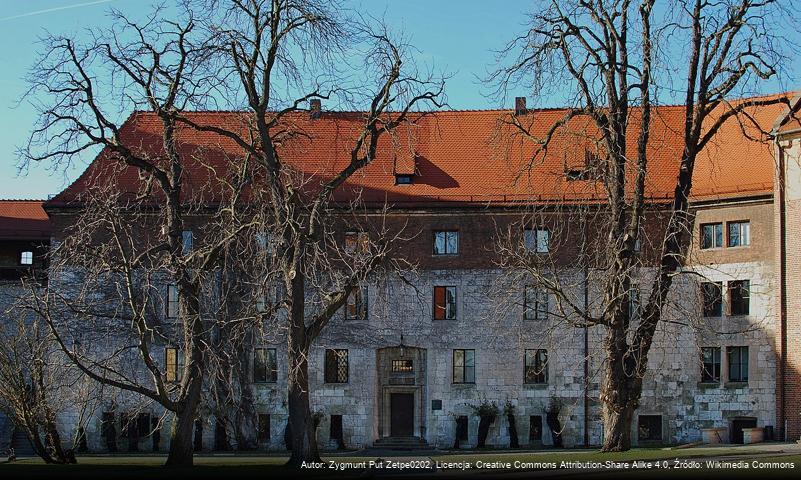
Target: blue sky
458 36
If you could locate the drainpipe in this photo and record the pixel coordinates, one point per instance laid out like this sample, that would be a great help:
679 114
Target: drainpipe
586 364
781 417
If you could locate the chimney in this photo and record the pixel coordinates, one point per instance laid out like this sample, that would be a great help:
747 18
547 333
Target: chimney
520 106
315 108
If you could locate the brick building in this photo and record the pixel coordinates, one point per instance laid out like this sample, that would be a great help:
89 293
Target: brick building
410 359
787 202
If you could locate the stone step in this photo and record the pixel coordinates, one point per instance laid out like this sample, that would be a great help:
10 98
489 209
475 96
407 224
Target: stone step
401 443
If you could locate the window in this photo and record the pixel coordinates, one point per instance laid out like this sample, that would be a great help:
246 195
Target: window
263 298
402 366
738 363
536 304
739 234
634 303
336 366
537 240
712 297
172 364
649 428
357 242
444 303
264 241
335 432
462 431
534 429
186 241
403 179
464 366
356 306
264 427
26 258
446 243
173 302
712 235
536 363
740 297
710 372
265 366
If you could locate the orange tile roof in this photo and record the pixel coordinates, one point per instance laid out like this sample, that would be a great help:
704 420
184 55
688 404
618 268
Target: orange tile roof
460 157
23 219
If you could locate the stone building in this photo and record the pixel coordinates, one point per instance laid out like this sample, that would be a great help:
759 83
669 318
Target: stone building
413 358
24 241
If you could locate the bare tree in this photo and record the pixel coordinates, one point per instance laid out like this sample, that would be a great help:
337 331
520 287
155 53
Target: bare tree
607 52
266 60
37 382
317 274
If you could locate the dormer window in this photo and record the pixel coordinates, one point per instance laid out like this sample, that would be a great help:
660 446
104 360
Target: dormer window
403 179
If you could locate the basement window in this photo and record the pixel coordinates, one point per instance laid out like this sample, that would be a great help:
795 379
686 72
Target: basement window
649 428
264 428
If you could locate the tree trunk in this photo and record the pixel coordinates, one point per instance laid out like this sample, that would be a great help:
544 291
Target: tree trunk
513 441
304 443
483 429
181 439
620 392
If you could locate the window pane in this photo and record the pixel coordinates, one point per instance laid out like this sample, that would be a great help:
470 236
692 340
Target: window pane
450 296
439 303
745 233
712 299
452 242
172 301
186 240
543 239
706 237
740 297
718 234
171 364
439 243
260 365
530 239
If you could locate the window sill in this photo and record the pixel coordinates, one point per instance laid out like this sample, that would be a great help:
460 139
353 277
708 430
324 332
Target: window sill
708 385
734 385
463 385
444 319
536 386
265 384
335 384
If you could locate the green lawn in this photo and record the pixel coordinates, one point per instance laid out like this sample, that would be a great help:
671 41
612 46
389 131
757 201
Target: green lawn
149 467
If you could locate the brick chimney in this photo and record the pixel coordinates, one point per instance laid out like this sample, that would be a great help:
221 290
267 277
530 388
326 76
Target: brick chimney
315 108
520 106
